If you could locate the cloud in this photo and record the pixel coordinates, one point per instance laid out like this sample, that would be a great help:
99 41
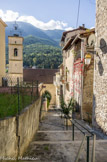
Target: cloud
9 15
51 25
69 28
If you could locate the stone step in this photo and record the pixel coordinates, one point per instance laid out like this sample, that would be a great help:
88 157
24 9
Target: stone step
99 142
65 151
61 135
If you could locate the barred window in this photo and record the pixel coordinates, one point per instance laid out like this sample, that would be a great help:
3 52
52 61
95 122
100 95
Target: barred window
15 52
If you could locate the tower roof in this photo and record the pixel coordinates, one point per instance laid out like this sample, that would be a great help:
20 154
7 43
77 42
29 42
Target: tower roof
15 31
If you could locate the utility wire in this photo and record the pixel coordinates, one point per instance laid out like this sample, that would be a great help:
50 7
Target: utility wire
78 13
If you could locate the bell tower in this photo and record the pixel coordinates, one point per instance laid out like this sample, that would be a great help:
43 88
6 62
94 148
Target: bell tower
15 45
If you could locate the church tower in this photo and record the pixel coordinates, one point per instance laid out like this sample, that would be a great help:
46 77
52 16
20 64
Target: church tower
15 45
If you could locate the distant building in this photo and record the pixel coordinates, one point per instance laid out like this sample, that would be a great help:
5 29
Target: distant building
44 76
2 50
41 75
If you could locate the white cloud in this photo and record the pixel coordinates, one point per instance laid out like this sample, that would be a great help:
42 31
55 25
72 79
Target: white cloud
69 28
9 15
52 24
14 16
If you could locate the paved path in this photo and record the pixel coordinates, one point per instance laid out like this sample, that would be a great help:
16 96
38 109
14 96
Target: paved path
53 143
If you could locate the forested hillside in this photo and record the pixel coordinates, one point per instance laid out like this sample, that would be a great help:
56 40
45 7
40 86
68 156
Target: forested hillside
42 56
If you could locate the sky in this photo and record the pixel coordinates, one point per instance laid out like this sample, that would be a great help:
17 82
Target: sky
49 14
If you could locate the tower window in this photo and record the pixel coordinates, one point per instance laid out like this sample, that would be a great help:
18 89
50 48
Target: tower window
15 52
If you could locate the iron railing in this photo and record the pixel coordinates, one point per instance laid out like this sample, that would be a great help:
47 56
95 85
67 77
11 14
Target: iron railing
87 135
15 95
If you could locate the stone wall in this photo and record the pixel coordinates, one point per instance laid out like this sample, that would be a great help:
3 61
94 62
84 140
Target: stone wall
28 125
17 132
8 139
100 68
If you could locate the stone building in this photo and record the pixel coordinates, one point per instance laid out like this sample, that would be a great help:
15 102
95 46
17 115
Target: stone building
78 61
100 68
2 50
68 60
44 76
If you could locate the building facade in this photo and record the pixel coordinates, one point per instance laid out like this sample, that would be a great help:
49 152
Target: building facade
100 68
78 61
2 50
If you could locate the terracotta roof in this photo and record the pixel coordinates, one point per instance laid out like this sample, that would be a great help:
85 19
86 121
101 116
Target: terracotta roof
85 33
42 75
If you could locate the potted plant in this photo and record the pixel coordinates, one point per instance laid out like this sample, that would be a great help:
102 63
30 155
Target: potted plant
67 109
47 95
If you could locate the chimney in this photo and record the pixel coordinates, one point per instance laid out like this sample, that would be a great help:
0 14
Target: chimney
83 25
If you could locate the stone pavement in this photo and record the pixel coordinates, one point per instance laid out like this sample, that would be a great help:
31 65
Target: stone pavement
53 143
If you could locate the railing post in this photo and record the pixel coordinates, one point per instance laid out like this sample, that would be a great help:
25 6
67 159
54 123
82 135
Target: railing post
80 149
93 150
73 132
88 139
18 96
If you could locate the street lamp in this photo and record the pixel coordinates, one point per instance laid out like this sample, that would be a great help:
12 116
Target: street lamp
87 59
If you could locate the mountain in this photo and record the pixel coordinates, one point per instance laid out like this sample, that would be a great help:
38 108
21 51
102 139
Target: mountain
26 29
36 40
54 34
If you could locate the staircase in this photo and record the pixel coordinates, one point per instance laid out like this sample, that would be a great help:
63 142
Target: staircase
53 143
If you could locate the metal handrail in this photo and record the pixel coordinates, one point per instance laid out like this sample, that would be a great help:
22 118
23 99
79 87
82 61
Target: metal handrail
74 121
78 128
87 137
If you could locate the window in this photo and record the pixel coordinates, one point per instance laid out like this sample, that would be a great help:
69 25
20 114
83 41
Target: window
15 52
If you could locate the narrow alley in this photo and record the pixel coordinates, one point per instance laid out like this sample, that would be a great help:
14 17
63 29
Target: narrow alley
53 143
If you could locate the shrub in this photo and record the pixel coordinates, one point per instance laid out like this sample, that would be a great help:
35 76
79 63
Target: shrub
47 95
67 108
